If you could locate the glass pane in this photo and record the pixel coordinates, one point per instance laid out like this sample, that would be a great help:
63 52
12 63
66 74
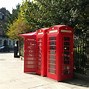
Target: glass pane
52 57
52 66
52 38
52 43
52 61
66 39
52 71
66 43
66 48
65 52
52 52
53 47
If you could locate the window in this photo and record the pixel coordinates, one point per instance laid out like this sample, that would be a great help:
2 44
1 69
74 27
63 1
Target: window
66 39
66 51
52 38
52 55
52 51
52 43
52 47
66 48
66 43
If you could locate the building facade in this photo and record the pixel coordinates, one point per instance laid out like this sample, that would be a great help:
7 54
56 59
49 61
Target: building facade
10 42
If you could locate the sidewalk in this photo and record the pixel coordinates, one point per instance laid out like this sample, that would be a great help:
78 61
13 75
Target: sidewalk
13 77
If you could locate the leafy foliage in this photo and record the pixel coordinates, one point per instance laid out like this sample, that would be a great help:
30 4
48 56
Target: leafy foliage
69 12
19 26
5 14
45 13
15 13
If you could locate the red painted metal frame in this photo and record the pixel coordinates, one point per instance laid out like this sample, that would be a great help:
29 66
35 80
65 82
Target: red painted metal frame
59 32
42 51
30 52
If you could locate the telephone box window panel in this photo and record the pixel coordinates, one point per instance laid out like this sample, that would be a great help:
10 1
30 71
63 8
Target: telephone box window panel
52 55
66 38
52 71
67 51
52 38
60 52
52 51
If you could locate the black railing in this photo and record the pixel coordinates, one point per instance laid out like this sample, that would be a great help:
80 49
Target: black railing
81 53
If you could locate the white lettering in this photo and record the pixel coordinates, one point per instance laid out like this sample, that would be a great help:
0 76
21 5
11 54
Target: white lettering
67 31
53 31
40 33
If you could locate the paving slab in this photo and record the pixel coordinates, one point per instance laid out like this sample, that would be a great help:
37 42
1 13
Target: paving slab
13 77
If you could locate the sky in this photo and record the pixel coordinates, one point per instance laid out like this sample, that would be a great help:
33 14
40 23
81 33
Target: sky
9 4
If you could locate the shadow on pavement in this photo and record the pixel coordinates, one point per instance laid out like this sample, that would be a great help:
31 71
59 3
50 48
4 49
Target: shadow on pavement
78 82
74 81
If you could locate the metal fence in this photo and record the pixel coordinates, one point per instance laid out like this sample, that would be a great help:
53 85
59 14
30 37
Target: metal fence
81 53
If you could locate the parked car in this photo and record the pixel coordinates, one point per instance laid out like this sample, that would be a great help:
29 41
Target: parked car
4 49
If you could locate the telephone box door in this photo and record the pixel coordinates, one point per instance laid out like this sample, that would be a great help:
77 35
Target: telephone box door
67 56
52 62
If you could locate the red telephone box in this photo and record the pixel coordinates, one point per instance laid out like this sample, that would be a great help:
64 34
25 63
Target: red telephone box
60 52
42 51
30 53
